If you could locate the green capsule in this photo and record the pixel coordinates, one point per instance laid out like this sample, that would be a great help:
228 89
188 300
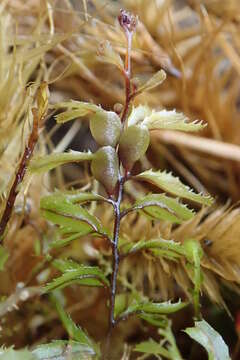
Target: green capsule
106 127
133 145
105 168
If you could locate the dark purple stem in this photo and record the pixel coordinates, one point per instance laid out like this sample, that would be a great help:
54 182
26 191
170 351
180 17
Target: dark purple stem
115 262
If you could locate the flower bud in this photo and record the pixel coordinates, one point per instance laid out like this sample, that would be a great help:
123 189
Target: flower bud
127 21
133 145
105 127
105 168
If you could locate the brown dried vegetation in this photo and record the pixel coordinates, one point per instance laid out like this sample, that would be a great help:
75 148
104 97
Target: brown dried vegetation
199 48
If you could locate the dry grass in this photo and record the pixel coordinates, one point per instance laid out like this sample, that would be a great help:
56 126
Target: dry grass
199 47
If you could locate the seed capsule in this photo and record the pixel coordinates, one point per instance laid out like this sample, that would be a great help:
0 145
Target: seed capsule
105 168
133 145
106 127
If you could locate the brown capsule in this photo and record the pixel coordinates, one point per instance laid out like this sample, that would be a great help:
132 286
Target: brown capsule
105 168
106 127
133 145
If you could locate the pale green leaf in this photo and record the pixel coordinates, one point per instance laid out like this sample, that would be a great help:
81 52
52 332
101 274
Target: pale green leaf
166 307
194 254
154 81
74 273
80 105
154 319
74 331
124 300
167 248
76 196
210 339
147 307
168 336
61 350
171 120
167 182
64 265
193 251
70 115
71 216
160 206
11 354
73 277
152 347
138 114
68 226
66 240
49 162
170 349
75 109
121 302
